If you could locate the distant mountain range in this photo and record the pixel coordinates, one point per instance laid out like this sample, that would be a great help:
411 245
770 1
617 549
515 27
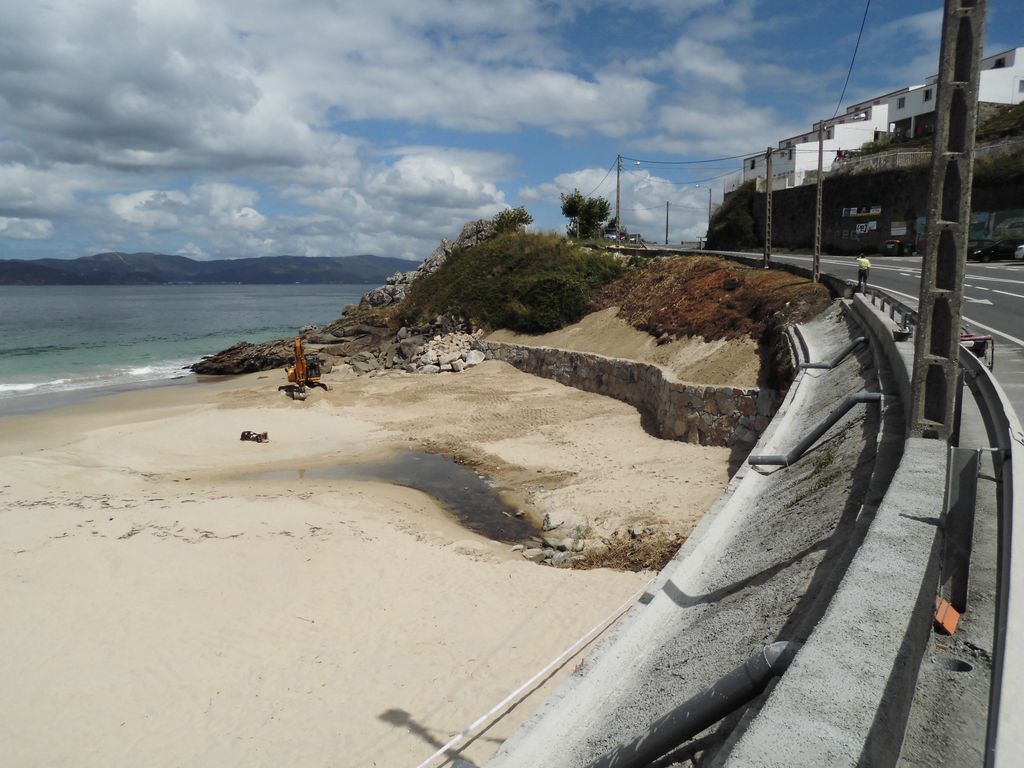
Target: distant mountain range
160 268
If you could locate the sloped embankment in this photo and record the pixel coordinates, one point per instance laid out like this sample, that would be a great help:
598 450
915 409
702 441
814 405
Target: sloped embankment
760 567
714 299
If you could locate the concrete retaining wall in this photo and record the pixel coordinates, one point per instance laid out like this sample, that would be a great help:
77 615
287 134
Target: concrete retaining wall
693 413
845 699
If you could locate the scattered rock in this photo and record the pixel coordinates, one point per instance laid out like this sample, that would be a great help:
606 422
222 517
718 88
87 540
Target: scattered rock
553 521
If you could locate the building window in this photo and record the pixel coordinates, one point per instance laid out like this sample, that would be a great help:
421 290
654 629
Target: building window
1020 86
927 94
901 102
752 162
1000 63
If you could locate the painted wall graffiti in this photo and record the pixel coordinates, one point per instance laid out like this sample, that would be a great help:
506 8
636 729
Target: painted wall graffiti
997 225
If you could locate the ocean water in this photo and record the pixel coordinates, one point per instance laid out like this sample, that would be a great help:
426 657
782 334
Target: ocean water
82 339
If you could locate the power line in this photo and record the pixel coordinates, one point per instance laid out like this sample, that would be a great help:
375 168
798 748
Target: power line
684 162
654 180
853 59
661 206
604 179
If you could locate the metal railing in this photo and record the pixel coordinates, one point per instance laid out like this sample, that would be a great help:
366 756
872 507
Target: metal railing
1005 736
1006 699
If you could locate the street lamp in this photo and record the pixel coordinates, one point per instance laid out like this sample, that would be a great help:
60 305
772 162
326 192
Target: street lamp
708 232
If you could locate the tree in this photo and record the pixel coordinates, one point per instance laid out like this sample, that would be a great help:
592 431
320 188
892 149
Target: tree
512 220
586 214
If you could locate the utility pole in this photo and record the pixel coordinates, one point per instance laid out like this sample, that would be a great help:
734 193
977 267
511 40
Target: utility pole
935 384
816 269
618 194
767 206
707 233
666 222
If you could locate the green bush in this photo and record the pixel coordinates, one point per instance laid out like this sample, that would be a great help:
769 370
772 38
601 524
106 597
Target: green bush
733 223
530 283
999 170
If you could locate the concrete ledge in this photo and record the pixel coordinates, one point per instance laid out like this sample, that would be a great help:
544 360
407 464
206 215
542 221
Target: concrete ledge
693 413
899 354
843 701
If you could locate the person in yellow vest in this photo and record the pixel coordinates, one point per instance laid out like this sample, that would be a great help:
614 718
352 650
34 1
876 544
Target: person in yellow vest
863 265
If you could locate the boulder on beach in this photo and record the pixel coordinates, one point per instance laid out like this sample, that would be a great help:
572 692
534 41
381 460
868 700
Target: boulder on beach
245 357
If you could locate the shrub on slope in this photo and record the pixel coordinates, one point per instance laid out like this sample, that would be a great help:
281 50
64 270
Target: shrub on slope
524 282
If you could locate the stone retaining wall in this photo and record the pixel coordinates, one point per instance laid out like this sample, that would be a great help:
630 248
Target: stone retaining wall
693 413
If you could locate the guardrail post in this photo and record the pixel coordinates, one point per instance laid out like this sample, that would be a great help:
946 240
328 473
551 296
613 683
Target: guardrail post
961 493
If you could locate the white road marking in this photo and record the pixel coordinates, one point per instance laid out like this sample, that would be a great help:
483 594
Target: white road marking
1007 293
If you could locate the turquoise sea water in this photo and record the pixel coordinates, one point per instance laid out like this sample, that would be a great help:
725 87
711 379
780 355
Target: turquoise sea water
59 339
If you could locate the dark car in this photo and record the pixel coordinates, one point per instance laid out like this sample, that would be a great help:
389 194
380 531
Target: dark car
1000 249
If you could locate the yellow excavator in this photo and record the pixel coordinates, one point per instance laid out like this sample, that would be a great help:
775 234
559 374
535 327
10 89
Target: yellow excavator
305 373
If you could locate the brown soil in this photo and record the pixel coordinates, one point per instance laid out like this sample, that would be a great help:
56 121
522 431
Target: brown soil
712 298
728 362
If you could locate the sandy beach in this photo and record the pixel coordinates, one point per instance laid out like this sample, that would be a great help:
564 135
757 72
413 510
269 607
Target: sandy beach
166 602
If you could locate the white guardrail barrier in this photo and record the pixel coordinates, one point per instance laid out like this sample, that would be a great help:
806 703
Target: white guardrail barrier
1005 738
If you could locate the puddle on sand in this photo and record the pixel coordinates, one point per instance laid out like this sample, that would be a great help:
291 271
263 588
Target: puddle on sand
461 491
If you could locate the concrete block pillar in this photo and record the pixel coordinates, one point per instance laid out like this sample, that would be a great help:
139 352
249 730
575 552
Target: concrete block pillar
936 346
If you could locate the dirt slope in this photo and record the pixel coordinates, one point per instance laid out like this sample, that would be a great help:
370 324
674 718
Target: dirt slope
704 319
711 298
732 362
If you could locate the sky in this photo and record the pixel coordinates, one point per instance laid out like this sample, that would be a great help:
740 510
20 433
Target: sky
230 128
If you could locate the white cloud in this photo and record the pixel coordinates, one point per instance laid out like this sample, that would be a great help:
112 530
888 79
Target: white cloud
25 229
643 195
238 127
152 209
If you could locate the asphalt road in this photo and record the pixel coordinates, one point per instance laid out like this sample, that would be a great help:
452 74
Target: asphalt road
993 304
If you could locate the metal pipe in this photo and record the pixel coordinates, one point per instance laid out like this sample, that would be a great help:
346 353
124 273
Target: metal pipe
785 459
838 358
705 709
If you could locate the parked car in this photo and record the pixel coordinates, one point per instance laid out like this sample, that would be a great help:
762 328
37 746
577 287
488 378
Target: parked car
1019 253
1000 249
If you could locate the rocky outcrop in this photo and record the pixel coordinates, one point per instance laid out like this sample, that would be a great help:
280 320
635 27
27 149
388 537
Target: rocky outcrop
362 341
244 357
341 339
395 287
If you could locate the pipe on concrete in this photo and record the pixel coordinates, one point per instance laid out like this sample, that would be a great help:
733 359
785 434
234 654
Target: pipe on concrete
785 459
838 358
705 709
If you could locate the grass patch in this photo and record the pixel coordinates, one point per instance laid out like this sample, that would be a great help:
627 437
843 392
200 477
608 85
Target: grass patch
530 283
824 460
625 553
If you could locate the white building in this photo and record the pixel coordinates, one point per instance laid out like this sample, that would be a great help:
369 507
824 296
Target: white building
862 122
1001 81
906 113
